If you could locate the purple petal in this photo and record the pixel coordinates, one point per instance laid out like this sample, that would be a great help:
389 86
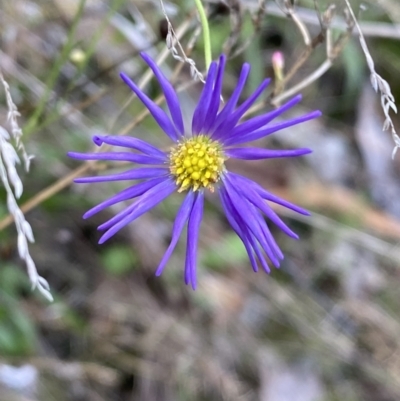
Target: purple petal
132 174
260 121
116 156
180 221
195 218
231 104
188 265
156 111
273 246
259 253
129 142
149 200
244 181
257 201
200 113
248 215
258 153
238 113
269 246
270 238
128 193
260 256
271 129
226 126
216 95
279 201
232 219
154 189
169 92
255 232
251 240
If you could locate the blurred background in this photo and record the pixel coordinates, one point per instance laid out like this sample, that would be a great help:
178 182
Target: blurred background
324 327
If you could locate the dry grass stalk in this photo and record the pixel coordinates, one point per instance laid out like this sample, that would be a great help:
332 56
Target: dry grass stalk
379 84
172 40
13 185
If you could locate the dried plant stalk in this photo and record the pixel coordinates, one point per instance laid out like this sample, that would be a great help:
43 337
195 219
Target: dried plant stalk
379 84
13 185
172 40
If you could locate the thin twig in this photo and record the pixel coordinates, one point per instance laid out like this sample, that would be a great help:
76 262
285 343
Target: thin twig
322 69
291 12
374 29
325 21
173 39
379 84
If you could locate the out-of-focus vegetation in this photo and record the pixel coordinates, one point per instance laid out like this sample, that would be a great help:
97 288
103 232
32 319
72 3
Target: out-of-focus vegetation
324 327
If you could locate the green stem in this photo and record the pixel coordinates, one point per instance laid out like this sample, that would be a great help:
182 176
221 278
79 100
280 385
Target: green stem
206 32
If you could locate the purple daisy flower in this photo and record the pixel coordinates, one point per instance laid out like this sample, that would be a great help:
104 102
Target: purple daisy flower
196 162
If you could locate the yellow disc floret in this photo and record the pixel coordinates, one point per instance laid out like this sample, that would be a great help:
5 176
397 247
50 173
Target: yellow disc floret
197 163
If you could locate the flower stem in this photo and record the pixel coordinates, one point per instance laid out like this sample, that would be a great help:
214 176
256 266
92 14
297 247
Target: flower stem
206 32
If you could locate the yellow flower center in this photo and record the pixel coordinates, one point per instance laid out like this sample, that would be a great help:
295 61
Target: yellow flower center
196 163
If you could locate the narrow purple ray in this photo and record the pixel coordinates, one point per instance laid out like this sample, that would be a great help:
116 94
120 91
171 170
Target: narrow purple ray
129 142
246 212
116 156
156 111
128 193
252 242
180 221
169 92
244 181
200 112
260 121
270 249
229 123
149 200
257 153
232 219
253 197
269 237
216 96
255 232
238 113
195 218
188 266
153 191
260 256
273 248
271 129
132 174
232 102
